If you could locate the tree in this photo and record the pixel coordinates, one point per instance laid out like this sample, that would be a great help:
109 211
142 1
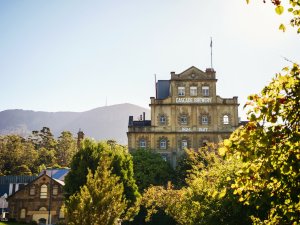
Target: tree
100 201
89 156
150 169
16 152
293 10
206 199
66 148
43 139
270 149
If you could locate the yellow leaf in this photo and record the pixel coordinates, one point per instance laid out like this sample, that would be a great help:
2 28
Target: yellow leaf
222 151
222 193
282 27
298 31
227 143
247 1
279 9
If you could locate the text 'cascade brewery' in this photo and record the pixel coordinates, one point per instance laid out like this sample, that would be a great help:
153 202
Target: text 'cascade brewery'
186 113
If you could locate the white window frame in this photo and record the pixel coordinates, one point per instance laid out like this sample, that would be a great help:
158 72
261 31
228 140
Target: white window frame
204 120
55 190
225 119
181 91
205 91
193 91
44 191
163 144
183 120
142 143
163 119
184 144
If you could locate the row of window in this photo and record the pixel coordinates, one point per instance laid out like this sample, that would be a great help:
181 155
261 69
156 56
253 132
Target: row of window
23 212
43 190
194 91
183 119
163 143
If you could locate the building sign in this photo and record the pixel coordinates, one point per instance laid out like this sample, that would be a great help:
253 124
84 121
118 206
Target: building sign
193 100
188 129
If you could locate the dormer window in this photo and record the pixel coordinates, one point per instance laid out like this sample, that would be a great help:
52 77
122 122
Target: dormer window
181 91
205 91
193 91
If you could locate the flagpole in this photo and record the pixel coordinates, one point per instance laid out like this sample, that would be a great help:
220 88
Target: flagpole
211 62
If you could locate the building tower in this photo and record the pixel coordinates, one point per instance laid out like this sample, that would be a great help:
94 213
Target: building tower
186 113
80 137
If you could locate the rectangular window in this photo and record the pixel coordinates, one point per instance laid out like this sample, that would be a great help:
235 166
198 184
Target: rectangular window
204 120
142 143
184 144
205 91
163 144
183 120
181 91
162 120
193 91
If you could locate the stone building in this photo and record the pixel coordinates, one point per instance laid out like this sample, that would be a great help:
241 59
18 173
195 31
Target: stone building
40 200
186 113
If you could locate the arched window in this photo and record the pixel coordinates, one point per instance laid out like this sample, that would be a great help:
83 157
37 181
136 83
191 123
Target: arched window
23 214
163 144
43 209
44 190
32 190
142 143
225 119
55 190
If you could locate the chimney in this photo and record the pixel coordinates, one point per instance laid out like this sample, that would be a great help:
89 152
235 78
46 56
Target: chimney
130 123
144 116
80 137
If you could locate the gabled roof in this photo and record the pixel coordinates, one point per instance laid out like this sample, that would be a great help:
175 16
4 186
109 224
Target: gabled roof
61 183
193 73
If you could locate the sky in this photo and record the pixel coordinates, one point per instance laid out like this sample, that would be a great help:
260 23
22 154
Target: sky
75 55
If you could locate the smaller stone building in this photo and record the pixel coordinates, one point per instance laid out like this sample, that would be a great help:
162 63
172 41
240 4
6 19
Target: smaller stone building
40 200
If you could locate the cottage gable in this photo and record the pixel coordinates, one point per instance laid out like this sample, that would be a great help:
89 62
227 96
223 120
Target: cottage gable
32 202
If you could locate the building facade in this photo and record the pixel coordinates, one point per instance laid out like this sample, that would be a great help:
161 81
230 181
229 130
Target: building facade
40 200
186 113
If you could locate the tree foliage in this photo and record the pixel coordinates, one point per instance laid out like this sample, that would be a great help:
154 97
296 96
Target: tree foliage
66 148
100 201
90 156
150 169
269 146
293 10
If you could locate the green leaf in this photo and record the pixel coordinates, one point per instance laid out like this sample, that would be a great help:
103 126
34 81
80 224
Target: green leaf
290 9
279 9
247 1
298 31
282 27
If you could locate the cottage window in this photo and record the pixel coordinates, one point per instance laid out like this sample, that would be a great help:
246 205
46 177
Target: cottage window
32 190
55 190
193 91
23 214
225 119
181 91
44 190
205 91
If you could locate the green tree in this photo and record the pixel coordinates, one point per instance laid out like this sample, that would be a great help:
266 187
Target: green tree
16 152
100 201
66 148
46 157
269 146
43 139
89 156
206 199
150 169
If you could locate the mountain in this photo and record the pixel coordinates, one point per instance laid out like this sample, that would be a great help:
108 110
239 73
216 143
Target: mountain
108 122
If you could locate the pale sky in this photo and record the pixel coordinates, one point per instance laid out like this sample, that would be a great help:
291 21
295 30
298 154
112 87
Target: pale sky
71 55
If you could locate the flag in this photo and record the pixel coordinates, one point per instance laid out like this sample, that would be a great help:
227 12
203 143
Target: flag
210 42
